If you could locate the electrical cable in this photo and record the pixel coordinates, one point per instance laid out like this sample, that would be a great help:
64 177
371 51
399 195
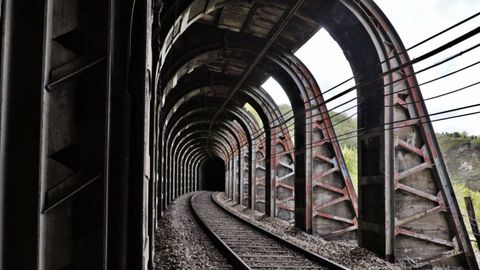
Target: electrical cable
420 121
408 103
380 88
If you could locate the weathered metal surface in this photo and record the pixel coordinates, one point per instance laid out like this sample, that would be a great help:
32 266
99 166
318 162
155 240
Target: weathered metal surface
317 199
211 58
267 102
408 173
418 217
246 161
284 174
90 116
179 133
260 168
4 80
73 135
20 189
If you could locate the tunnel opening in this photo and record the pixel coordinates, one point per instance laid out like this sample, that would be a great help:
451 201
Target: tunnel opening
212 175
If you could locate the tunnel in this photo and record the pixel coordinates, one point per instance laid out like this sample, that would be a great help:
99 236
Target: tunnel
113 109
212 174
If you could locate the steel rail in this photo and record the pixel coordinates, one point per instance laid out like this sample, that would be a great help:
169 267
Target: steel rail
322 261
232 257
310 255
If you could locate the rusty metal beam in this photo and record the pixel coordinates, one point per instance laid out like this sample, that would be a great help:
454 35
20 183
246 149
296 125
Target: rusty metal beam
369 28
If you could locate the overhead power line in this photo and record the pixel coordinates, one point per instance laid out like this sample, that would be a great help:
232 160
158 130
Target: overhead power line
421 121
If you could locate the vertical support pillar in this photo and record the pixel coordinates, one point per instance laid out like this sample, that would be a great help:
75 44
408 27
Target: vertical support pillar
186 183
472 217
176 174
21 111
182 173
195 176
192 175
179 177
118 139
185 173
4 60
140 87
269 173
171 169
235 178
241 173
260 173
189 176
246 168
232 177
168 168
252 177
372 183
173 174
303 170
227 178
186 165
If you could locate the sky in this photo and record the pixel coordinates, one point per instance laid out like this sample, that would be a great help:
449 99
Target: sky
414 21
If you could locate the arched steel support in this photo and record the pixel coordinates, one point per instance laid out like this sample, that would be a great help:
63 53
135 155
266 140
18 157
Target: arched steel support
400 171
279 136
321 165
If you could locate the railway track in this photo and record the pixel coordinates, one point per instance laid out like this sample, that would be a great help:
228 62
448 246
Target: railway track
247 246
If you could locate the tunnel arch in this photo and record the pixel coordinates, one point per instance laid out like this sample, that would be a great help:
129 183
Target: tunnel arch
374 51
308 90
104 134
266 100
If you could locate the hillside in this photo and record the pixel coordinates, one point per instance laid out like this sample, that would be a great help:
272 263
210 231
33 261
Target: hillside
462 157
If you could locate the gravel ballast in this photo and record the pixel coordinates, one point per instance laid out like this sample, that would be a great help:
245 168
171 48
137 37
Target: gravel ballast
180 243
347 254
257 250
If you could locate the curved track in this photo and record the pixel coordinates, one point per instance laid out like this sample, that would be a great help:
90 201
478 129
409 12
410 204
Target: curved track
249 247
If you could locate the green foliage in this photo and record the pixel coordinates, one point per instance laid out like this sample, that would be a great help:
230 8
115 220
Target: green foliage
475 142
287 113
461 154
350 156
461 191
343 125
254 113
286 110
448 141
